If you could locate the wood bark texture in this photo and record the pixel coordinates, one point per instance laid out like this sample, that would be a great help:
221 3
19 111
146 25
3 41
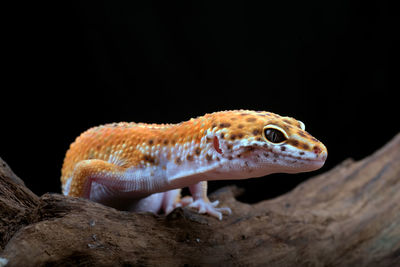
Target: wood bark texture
348 216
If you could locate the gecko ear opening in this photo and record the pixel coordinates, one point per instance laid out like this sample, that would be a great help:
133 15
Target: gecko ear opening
216 145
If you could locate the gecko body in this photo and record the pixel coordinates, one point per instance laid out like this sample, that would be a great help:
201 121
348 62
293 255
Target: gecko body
142 167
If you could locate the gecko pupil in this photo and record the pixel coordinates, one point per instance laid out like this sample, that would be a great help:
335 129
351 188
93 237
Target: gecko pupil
274 135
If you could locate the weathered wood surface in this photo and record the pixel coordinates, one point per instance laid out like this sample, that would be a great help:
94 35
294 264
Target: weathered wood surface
348 216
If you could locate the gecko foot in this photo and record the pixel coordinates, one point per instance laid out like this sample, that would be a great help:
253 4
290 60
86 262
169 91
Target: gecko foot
210 208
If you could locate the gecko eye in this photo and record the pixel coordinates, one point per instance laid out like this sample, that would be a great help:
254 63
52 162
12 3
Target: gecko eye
274 135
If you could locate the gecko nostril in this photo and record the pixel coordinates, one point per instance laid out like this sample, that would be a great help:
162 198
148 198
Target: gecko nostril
317 149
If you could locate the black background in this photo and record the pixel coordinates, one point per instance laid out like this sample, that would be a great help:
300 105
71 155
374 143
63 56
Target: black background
75 65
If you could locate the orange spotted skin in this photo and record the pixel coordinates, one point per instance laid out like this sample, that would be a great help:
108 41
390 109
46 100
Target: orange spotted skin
210 139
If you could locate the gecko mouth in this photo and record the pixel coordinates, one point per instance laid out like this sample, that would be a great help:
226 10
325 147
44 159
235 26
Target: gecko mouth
304 161
313 160
313 163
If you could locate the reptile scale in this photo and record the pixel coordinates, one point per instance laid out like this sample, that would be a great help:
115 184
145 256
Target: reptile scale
142 167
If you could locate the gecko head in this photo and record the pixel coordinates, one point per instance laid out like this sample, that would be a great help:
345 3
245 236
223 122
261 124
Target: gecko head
259 143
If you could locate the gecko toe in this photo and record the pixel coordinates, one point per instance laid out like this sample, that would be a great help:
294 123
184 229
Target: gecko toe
209 208
215 203
225 210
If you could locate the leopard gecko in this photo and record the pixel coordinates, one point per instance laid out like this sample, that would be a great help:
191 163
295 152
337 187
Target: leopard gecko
142 167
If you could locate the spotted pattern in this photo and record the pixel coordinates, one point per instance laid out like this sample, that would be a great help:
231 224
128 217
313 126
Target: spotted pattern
142 145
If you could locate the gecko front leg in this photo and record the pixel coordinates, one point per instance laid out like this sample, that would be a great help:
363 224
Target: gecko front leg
201 202
113 186
88 171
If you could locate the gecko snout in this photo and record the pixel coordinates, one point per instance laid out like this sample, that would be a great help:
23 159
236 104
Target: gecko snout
320 151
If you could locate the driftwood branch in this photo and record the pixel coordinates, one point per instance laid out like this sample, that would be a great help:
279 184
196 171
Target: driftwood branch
348 216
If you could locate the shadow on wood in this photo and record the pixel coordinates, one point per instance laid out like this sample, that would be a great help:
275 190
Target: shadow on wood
348 216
